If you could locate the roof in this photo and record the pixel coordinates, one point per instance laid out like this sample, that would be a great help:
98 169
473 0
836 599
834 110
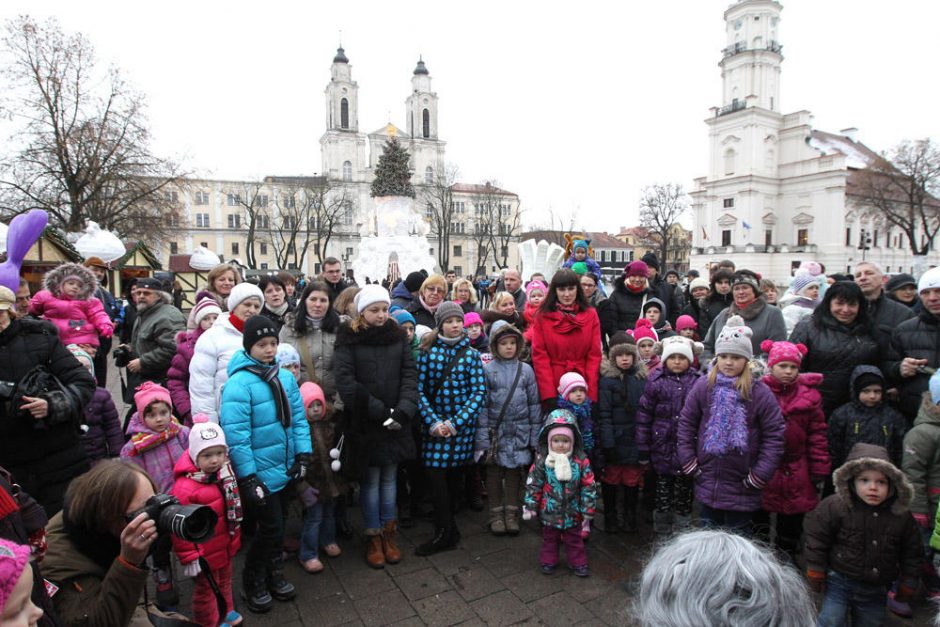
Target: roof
297 181
598 239
180 263
421 68
477 188
635 231
133 246
340 56
857 155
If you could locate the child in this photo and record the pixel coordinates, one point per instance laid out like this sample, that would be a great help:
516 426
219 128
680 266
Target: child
560 490
862 538
656 432
730 436
322 487
16 586
800 300
288 358
201 318
451 393
621 386
68 301
653 311
687 327
535 293
866 418
407 322
101 429
580 254
473 325
573 396
646 338
792 491
263 414
507 426
204 476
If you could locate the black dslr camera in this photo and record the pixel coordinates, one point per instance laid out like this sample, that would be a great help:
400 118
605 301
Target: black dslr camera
123 356
193 523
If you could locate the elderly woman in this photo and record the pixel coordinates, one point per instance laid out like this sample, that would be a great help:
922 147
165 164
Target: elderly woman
95 556
39 435
220 282
208 371
276 305
765 321
432 293
465 295
311 329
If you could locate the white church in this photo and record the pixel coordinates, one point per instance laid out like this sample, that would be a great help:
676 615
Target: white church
778 191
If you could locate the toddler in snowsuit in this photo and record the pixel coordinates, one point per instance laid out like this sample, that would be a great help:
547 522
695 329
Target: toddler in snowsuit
68 301
579 254
560 490
288 358
866 418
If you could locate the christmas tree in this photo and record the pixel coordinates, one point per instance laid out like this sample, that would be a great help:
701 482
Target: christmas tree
392 176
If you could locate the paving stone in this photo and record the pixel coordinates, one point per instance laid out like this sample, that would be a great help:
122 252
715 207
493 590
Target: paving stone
442 609
412 621
450 562
559 609
364 582
613 608
422 583
336 609
485 543
587 589
409 563
322 584
384 608
506 562
474 583
502 608
530 585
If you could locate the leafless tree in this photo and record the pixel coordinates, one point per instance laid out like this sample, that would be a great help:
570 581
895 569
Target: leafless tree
251 202
503 225
438 200
902 188
81 146
310 212
661 206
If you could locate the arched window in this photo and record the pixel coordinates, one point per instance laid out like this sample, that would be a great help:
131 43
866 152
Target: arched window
347 171
429 175
729 161
344 113
426 122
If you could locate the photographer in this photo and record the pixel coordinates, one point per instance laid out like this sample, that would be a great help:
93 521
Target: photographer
94 554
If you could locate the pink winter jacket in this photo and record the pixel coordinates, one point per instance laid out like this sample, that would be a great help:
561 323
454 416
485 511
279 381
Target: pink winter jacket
78 321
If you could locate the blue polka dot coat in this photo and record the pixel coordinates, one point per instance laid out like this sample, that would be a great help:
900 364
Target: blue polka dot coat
458 400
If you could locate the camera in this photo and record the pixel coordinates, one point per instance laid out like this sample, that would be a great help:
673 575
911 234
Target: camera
123 356
193 523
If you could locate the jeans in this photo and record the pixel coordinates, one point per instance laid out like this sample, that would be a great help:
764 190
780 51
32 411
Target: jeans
864 601
736 522
574 546
319 529
377 492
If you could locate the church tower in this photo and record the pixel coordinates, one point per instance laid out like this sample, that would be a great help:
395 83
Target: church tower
427 150
750 64
342 147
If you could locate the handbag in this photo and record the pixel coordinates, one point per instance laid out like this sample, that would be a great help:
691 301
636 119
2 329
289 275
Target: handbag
36 383
493 451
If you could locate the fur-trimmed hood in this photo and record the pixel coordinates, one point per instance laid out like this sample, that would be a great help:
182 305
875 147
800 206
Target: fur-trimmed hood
53 280
610 369
388 333
871 457
504 330
929 413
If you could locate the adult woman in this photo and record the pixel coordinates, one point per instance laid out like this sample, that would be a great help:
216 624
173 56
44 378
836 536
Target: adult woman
464 294
311 329
502 307
432 293
208 371
95 556
275 299
699 289
566 337
39 438
589 286
220 282
764 321
345 303
624 305
838 338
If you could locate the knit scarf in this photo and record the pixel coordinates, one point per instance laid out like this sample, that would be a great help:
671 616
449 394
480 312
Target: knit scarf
268 374
726 430
144 442
583 413
569 319
560 463
635 290
229 485
237 322
431 308
279 311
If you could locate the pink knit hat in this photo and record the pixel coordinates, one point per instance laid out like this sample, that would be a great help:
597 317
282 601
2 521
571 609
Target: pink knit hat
311 392
685 321
149 392
204 434
569 382
472 318
14 559
644 331
636 268
535 285
783 351
564 430
203 308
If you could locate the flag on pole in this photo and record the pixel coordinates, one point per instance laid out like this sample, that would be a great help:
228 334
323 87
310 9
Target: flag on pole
747 226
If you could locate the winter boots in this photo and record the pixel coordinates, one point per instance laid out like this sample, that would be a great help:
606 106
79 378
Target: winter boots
445 539
631 502
278 586
375 555
255 591
389 548
662 522
512 520
609 493
497 523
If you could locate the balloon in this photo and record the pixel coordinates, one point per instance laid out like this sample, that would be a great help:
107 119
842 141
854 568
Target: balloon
23 232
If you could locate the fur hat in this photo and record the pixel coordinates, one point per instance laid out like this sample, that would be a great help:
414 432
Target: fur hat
624 348
311 392
148 393
802 281
569 382
678 345
636 268
447 309
203 308
471 318
735 339
402 316
929 280
698 282
14 559
650 260
783 351
241 292
53 280
414 280
864 457
286 355
643 330
621 337
257 328
685 321
369 295
204 434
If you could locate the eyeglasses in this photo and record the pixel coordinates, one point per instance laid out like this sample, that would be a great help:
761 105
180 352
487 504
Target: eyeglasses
434 290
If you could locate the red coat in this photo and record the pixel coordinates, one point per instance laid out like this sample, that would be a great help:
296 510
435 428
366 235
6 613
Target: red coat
564 343
805 449
222 546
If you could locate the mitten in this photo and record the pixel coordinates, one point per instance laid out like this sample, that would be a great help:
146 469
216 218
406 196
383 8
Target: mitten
309 497
527 514
254 491
437 429
390 423
192 569
817 580
451 429
753 482
301 463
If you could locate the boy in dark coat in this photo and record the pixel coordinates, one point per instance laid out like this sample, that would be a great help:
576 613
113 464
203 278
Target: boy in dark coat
866 418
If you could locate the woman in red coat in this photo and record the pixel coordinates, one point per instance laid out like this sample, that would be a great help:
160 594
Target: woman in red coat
566 337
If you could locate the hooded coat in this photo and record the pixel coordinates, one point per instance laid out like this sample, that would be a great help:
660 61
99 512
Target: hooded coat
618 405
208 369
805 448
622 308
80 320
401 296
160 460
765 322
921 458
517 433
177 377
853 422
719 479
104 437
868 543
563 343
260 442
658 417
918 338
567 504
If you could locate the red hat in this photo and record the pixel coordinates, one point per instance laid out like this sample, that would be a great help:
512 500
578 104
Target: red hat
636 268
783 351
643 330
149 392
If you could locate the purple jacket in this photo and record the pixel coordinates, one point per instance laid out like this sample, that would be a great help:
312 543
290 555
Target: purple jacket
177 377
657 419
720 479
103 438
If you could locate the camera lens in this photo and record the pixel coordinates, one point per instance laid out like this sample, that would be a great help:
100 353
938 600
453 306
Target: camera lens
193 523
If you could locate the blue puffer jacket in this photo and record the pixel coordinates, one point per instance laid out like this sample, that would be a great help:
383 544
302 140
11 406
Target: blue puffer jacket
458 400
258 443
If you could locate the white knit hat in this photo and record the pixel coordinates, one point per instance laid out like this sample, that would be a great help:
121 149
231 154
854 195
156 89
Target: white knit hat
204 434
929 280
735 339
678 345
241 292
369 295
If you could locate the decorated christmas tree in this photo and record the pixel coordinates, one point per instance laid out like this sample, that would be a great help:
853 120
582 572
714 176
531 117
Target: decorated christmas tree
392 176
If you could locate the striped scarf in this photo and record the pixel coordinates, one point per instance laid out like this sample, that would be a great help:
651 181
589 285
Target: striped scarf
144 442
229 485
269 374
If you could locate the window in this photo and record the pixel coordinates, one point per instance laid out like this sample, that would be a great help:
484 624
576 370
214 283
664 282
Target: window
348 216
728 203
458 251
263 248
344 113
316 251
263 221
431 251
234 248
171 197
234 221
202 220
174 248
233 200
729 161
603 256
874 237
288 201
264 266
504 251
347 170
426 123
428 210
726 237
458 270
202 198
349 251
802 237
429 176
848 236
768 237
261 200
173 220
888 238
290 222
290 248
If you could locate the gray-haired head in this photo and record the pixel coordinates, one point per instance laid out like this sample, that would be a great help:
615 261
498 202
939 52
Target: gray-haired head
720 579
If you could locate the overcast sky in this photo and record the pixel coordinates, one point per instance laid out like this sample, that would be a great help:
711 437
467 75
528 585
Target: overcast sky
574 106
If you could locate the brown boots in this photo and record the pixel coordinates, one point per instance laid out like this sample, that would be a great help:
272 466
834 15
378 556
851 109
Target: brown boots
375 557
380 546
389 548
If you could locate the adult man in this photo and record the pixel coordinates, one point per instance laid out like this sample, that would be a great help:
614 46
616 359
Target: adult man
333 275
915 343
885 314
22 299
153 341
512 283
661 289
450 276
100 269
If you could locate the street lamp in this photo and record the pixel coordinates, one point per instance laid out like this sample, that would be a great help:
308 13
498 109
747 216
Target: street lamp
864 242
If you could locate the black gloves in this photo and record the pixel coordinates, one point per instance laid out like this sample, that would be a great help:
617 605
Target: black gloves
253 490
393 421
299 470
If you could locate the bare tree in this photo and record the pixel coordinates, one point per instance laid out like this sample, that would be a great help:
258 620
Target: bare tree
502 223
310 212
902 187
438 200
252 202
661 206
81 148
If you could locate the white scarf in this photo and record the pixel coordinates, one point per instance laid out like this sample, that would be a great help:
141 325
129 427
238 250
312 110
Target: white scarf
560 463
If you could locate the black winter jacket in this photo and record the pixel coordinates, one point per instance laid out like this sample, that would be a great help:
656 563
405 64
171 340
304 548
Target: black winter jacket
421 315
618 402
710 308
375 372
671 297
886 315
918 338
622 308
853 423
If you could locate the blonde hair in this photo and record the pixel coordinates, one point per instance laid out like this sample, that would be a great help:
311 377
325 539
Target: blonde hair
432 281
499 298
218 271
346 299
464 283
742 383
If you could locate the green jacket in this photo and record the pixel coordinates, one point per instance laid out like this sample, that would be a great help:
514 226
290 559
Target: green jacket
154 339
921 460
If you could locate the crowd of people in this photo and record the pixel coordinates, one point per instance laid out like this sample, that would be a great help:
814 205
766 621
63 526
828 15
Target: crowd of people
809 421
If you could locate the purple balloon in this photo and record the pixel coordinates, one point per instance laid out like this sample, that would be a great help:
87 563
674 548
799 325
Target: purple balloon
24 230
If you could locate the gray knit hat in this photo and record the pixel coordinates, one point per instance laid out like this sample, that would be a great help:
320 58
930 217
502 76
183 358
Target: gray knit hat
735 339
446 310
